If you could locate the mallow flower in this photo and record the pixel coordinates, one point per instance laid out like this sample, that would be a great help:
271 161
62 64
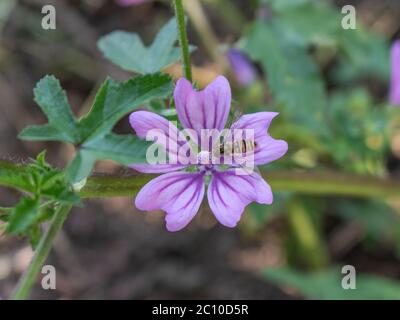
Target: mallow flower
180 190
394 94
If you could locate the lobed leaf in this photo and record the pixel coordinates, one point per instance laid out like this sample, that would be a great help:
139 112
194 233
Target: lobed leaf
92 133
53 101
127 50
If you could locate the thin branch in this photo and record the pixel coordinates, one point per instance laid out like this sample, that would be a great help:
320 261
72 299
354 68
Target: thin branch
27 280
183 41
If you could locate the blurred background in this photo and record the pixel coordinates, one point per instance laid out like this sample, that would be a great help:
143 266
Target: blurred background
292 56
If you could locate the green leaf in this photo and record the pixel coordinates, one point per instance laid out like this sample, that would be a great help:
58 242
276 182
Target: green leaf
298 23
293 77
16 176
40 179
23 215
127 50
327 284
114 100
378 218
34 235
44 132
124 149
92 133
62 125
80 167
363 53
283 5
360 52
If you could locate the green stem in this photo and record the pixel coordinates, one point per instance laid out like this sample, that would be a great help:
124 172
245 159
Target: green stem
309 246
183 41
27 280
302 182
317 183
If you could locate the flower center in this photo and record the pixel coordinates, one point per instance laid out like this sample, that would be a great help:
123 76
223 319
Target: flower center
204 158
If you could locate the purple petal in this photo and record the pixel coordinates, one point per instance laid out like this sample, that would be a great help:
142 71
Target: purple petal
394 94
243 70
179 194
206 109
143 122
228 194
259 122
267 148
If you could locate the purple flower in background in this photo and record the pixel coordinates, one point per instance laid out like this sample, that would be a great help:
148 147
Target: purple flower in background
126 3
394 94
244 71
180 190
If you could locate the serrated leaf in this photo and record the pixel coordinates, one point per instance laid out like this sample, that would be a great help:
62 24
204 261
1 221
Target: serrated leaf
114 100
127 50
53 101
23 215
40 180
15 176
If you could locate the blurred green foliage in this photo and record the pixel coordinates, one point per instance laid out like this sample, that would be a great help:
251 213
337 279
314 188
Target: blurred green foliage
318 77
124 49
47 188
327 284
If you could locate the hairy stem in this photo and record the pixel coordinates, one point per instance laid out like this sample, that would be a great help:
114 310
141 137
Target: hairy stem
183 41
27 280
317 183
302 182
